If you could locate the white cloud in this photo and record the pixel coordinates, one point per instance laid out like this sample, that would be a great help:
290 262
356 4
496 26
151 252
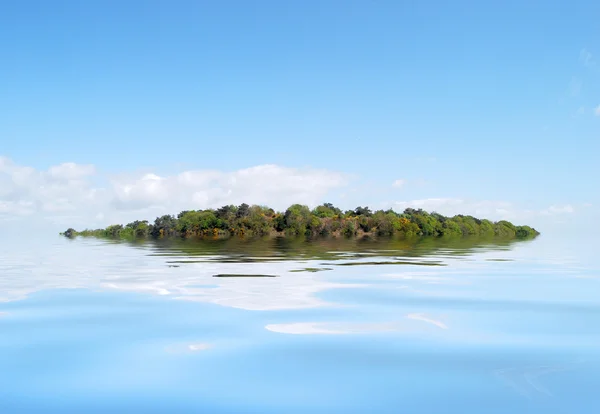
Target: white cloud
25 190
554 210
597 111
273 185
16 208
429 203
68 190
71 171
586 57
69 194
399 183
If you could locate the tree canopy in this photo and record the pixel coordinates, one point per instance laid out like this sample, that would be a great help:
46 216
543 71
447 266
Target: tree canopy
298 219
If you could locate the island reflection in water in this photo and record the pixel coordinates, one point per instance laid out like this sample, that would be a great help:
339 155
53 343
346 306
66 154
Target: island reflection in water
338 325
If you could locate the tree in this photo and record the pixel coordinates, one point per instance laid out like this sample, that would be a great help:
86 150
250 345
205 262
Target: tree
362 211
226 212
138 228
257 220
242 211
164 226
349 228
297 218
114 230
326 210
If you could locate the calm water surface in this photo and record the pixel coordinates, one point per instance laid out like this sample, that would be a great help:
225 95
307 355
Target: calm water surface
89 326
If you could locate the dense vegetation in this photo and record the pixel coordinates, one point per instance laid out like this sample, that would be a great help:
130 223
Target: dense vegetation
300 220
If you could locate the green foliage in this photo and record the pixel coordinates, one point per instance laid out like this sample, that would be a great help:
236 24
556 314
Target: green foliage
385 222
298 219
505 229
136 229
164 226
349 228
326 210
242 211
451 228
365 223
362 211
524 231
114 230
257 220
486 228
70 232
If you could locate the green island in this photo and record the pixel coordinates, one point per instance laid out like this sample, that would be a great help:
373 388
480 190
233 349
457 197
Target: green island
324 220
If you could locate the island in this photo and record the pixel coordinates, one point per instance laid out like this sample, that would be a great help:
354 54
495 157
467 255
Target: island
324 220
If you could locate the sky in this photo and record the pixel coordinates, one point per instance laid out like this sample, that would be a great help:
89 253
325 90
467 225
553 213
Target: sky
116 110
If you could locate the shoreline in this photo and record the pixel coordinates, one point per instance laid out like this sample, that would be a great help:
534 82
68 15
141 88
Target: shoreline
249 236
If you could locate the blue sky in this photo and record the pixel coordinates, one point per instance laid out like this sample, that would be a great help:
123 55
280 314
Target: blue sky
461 101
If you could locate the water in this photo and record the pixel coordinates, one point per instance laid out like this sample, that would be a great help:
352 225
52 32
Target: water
345 327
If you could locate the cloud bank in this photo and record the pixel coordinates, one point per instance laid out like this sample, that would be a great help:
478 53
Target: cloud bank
71 189
79 195
264 184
